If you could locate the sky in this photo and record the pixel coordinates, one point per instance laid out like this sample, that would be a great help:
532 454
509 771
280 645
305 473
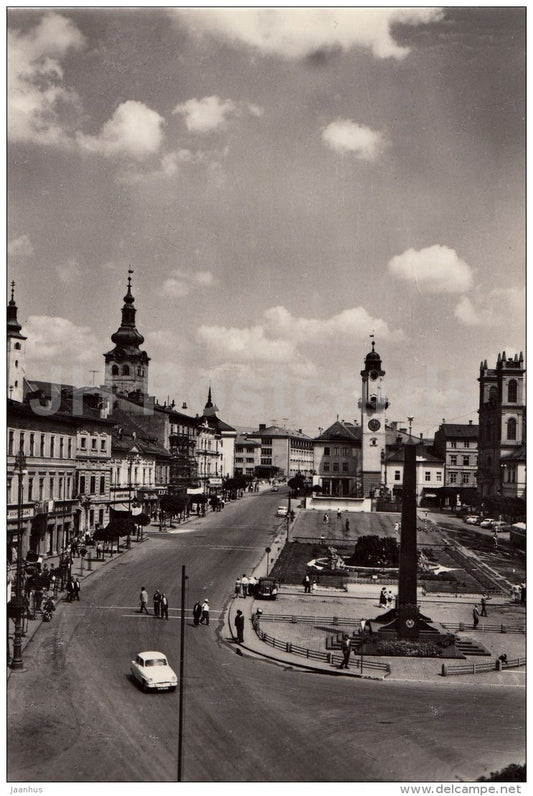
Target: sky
284 183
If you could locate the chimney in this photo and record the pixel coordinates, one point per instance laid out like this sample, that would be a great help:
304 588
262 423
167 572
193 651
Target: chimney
469 422
184 405
262 426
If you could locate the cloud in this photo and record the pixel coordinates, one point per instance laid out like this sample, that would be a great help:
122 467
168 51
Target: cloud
212 113
487 309
281 337
344 136
298 32
181 282
436 269
69 271
134 131
56 340
39 102
20 247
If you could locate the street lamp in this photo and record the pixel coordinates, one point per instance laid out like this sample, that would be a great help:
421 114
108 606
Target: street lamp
131 459
17 662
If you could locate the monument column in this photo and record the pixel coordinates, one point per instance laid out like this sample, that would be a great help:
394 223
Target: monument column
408 552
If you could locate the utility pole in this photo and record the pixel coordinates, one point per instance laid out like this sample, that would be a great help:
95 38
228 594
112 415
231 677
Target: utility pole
182 668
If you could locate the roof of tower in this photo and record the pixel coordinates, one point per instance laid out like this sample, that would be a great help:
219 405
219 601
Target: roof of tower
127 334
13 326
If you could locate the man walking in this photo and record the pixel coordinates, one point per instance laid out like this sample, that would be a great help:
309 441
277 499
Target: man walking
244 585
346 647
76 590
483 601
205 612
143 597
239 626
475 616
307 584
157 602
164 606
197 613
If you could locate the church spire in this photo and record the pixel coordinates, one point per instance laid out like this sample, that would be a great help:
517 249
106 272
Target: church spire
13 326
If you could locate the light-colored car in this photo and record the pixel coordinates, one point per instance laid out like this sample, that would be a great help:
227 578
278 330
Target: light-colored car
275 489
488 523
472 520
282 511
152 671
500 526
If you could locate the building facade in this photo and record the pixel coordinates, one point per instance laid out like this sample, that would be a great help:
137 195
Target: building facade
373 405
457 445
337 460
429 474
247 455
284 452
502 419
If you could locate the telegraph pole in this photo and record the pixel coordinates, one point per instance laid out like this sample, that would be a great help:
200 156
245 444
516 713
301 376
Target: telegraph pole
182 668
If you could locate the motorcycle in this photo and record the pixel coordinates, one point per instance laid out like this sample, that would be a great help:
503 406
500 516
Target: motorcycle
47 609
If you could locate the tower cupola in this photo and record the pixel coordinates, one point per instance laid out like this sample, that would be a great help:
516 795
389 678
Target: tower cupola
16 351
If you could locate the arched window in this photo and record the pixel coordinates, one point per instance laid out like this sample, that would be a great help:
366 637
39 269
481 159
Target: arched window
125 370
511 428
512 391
140 371
17 346
114 370
493 395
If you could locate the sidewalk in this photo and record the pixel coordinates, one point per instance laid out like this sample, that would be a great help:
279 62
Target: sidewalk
81 568
361 602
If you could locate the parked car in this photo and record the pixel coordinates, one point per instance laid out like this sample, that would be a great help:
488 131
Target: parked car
282 511
275 489
267 589
488 523
473 519
500 526
152 671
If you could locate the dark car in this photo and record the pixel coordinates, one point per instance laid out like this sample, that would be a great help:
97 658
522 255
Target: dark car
267 589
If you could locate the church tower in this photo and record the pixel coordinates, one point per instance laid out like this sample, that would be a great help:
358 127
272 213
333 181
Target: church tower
126 366
16 352
373 404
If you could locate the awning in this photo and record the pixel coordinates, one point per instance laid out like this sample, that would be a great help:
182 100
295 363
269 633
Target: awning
195 490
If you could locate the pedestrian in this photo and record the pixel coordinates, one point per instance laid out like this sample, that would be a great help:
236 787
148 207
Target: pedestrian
38 599
347 525
244 584
339 514
252 585
164 606
475 616
483 602
389 598
238 587
143 597
522 593
383 597
396 527
239 626
76 590
306 582
205 612
325 519
197 613
157 602
70 590
346 647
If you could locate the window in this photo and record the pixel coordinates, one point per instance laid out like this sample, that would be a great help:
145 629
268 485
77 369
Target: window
345 452
427 475
335 467
83 443
30 488
453 478
453 444
114 370
68 493
101 516
82 484
326 451
61 447
397 475
326 467
92 485
439 476
41 488
345 467
93 443
335 451
102 484
61 485
466 478
8 493
32 444
69 448
102 445
512 391
52 487
453 459
511 428
17 346
21 442
466 461
11 442
125 370
42 445
52 446
466 443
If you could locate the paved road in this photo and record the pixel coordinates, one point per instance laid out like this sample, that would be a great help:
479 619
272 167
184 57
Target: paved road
75 714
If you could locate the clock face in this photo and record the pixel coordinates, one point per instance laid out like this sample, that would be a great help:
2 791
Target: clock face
374 375
374 425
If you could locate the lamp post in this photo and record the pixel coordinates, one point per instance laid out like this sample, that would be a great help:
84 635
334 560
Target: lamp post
17 662
131 459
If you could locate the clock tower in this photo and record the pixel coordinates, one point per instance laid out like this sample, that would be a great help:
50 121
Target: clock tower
126 366
373 404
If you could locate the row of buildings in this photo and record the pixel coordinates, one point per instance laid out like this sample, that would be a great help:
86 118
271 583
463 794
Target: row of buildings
75 453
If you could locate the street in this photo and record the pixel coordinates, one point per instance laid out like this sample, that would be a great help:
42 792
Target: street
75 714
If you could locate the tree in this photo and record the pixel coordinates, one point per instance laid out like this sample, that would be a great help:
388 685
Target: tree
375 551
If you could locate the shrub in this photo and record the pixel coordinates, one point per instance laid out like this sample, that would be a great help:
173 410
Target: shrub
375 551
